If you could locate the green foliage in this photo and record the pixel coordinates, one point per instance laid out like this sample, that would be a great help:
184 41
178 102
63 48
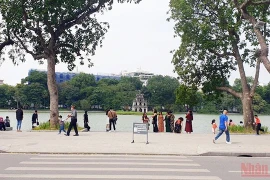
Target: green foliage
46 126
47 25
162 90
208 108
242 129
83 80
258 103
6 96
36 77
187 95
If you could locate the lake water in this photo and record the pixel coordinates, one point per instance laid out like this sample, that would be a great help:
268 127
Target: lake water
97 120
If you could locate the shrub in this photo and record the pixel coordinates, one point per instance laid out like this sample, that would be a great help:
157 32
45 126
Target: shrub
46 126
242 129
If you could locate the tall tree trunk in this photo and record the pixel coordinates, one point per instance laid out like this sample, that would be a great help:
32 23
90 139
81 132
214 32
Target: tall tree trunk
53 90
247 110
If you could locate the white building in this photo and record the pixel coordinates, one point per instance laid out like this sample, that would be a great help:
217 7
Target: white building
1 82
142 75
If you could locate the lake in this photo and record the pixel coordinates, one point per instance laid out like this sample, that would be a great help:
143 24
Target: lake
97 120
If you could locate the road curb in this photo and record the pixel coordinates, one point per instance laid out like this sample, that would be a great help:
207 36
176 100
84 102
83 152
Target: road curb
234 154
231 154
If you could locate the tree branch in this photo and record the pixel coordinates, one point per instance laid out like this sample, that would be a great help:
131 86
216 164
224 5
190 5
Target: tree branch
25 18
261 2
57 46
6 43
35 56
256 78
77 18
231 91
245 4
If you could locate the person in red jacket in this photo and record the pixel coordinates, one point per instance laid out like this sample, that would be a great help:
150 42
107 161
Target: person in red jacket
258 124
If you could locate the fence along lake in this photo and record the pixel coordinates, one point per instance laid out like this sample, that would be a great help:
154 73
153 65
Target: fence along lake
97 120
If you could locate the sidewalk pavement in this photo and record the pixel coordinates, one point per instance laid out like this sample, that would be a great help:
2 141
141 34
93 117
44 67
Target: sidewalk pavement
120 143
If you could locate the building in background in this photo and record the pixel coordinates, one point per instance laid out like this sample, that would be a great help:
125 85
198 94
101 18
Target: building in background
66 76
1 82
142 75
59 76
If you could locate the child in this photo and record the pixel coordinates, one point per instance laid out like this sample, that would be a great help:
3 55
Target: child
214 126
178 125
231 123
62 124
7 122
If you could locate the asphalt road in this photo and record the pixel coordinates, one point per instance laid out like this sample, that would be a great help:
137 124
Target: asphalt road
130 167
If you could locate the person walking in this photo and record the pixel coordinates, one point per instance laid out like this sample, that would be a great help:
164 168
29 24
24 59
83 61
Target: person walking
258 125
85 121
223 127
73 122
34 118
19 117
214 126
189 119
112 119
154 121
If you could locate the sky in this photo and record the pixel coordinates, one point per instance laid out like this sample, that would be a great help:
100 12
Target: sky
139 37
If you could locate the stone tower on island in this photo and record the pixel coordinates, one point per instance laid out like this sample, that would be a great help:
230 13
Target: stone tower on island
139 104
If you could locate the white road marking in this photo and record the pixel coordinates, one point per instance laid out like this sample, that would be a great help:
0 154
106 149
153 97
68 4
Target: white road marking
77 176
163 169
114 159
112 155
109 163
242 171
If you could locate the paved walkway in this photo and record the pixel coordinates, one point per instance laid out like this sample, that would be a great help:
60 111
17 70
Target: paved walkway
120 143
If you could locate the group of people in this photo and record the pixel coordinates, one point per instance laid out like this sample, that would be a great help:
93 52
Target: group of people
224 126
170 124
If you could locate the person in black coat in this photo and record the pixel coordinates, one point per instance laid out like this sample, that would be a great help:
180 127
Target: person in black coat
85 120
34 117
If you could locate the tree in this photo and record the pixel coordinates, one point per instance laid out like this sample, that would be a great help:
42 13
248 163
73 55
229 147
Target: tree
83 80
187 96
162 89
5 39
211 46
258 103
36 77
55 31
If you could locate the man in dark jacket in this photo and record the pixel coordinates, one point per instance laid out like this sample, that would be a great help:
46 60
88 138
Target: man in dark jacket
19 117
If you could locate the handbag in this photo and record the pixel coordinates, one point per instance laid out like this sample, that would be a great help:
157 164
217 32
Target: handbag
37 123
